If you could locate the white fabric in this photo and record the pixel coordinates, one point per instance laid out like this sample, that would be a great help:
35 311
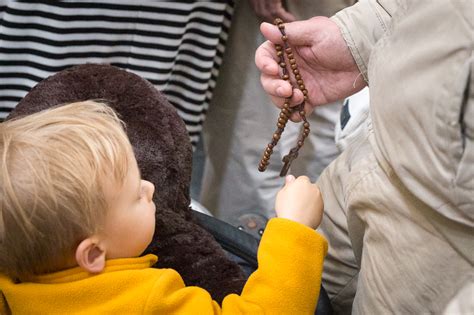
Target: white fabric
358 109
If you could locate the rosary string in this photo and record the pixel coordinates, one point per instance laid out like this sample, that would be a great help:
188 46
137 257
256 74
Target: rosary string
286 110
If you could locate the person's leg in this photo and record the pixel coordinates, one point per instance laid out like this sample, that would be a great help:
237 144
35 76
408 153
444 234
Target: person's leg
319 148
239 124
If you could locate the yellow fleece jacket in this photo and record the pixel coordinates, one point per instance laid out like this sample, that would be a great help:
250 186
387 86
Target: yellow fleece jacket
288 279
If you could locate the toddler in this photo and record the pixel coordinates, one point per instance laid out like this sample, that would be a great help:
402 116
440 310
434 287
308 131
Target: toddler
75 216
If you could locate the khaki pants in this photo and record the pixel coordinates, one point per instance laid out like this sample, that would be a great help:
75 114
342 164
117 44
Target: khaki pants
387 253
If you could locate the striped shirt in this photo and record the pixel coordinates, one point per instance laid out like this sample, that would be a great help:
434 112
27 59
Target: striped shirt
176 45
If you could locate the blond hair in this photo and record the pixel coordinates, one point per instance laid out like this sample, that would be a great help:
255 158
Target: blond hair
53 164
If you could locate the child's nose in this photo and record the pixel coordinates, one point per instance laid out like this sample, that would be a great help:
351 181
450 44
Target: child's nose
149 189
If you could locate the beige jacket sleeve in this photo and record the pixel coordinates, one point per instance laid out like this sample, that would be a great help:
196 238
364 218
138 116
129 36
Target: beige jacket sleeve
362 25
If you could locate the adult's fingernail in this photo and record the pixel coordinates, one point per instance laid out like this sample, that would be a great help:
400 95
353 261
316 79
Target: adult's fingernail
280 91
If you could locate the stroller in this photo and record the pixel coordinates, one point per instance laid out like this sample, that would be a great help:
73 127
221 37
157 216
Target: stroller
145 111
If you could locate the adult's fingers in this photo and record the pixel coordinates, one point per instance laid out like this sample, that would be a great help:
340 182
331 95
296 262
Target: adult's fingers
284 15
279 90
274 86
296 117
268 10
271 32
266 59
299 32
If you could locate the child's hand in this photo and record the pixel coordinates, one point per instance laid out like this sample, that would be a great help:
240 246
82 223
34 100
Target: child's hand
300 200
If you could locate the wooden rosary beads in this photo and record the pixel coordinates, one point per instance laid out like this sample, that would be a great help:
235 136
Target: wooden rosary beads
286 111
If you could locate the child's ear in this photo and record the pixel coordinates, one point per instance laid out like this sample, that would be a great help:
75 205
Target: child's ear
90 256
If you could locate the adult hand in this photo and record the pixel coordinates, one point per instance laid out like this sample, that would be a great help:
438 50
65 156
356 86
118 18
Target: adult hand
268 10
323 58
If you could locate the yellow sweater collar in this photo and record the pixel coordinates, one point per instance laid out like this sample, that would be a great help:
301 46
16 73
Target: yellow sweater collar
77 273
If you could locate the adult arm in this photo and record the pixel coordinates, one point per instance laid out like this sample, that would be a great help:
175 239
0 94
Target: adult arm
362 25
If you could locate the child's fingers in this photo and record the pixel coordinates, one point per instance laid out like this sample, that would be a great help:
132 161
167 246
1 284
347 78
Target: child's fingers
289 179
304 178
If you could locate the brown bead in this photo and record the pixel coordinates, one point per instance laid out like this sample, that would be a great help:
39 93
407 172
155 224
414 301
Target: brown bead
286 110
